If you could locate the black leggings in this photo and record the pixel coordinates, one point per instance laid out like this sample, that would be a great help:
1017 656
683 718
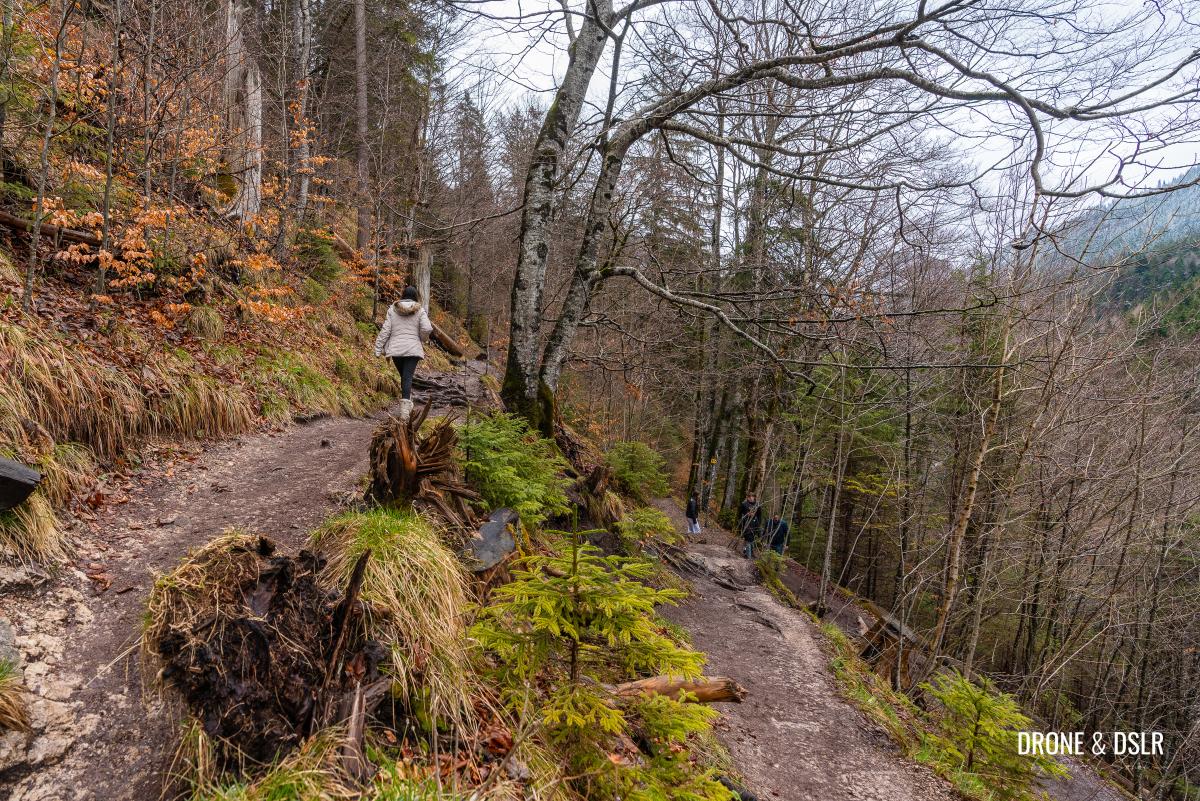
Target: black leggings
407 366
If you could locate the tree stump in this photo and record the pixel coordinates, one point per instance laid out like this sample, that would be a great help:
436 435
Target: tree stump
394 478
408 468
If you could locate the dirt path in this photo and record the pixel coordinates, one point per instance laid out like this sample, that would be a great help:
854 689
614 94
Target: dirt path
97 735
794 737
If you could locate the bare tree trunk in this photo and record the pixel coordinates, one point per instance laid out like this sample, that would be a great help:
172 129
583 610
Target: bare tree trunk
243 94
840 468
6 42
423 273
362 173
302 34
44 167
523 372
963 517
148 102
110 127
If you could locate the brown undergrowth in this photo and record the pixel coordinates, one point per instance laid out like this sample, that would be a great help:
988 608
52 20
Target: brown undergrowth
81 394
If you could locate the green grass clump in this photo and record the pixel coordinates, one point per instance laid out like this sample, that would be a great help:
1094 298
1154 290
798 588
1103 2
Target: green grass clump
511 465
287 380
639 469
417 595
16 193
315 249
312 773
314 292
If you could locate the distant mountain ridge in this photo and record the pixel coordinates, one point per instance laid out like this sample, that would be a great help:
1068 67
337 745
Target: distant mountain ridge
1153 241
1148 223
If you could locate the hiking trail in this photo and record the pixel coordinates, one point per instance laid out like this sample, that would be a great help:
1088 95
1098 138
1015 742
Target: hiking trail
794 736
97 733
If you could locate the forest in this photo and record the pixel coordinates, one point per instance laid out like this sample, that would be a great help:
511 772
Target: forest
918 279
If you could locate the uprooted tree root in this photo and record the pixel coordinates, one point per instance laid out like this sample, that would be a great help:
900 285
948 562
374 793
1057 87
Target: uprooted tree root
410 467
262 655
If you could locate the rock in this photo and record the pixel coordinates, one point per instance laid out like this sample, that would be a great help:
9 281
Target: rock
14 579
8 642
493 542
13 745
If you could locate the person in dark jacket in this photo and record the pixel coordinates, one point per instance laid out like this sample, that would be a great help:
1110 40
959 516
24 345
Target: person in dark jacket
778 530
693 514
750 522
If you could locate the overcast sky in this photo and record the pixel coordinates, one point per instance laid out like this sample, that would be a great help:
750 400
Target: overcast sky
516 49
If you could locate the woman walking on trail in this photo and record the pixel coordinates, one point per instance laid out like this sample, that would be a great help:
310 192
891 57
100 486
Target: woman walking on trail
401 339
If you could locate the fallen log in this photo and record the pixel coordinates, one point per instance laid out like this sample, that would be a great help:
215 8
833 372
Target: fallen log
446 342
17 482
705 690
50 230
343 248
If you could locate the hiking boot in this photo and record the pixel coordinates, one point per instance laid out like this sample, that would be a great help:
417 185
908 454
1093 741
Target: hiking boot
406 407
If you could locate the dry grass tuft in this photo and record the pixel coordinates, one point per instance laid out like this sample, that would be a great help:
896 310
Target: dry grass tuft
606 509
67 470
194 764
30 533
13 715
209 578
198 406
205 322
8 271
314 773
68 393
417 595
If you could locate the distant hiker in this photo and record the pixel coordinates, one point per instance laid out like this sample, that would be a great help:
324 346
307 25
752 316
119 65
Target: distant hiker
693 514
778 530
750 522
407 326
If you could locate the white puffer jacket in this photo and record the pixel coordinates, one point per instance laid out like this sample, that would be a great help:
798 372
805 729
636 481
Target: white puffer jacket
406 327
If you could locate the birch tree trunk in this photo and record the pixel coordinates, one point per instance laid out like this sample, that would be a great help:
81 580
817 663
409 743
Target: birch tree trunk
243 95
522 388
302 34
362 173
963 515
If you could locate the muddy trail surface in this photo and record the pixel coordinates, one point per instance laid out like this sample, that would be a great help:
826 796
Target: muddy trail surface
794 737
98 734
